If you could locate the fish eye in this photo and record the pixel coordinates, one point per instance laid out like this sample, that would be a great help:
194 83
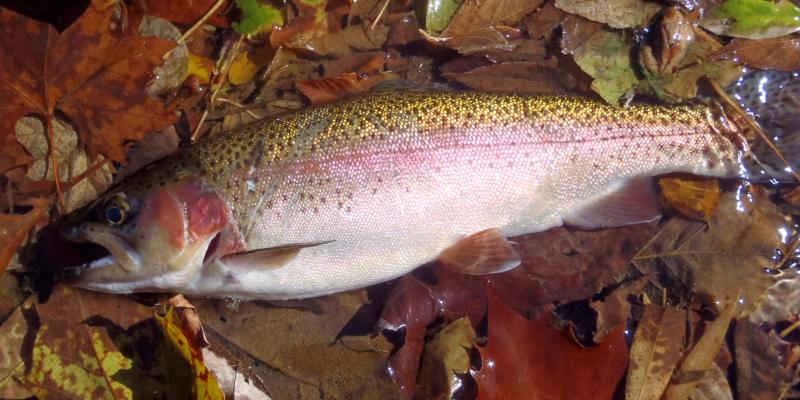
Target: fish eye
115 214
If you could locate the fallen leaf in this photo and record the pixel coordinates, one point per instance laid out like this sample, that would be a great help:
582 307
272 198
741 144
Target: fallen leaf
576 31
445 359
246 64
781 302
615 308
519 77
713 386
13 334
615 13
606 57
186 12
476 41
168 75
183 332
761 53
758 363
529 358
325 90
752 19
256 17
438 15
700 358
725 257
95 72
543 21
668 44
200 67
693 196
14 228
474 15
657 348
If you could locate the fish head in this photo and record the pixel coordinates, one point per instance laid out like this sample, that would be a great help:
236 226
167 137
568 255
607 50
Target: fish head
156 237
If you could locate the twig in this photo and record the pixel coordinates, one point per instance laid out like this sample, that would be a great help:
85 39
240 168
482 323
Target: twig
789 329
201 21
217 83
236 104
792 249
380 14
753 125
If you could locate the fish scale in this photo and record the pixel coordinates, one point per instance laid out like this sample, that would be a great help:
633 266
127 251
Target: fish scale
390 180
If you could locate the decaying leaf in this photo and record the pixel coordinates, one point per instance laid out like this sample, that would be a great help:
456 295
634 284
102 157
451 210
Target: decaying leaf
656 351
758 363
700 360
606 57
13 333
184 332
725 257
543 21
752 19
713 386
475 15
446 356
615 308
14 228
615 13
693 196
781 302
529 358
95 72
327 89
522 77
762 53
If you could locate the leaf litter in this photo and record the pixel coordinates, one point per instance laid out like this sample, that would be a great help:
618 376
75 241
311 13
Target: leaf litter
103 98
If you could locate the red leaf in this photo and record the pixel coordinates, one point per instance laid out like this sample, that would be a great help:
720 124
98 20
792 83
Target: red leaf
531 359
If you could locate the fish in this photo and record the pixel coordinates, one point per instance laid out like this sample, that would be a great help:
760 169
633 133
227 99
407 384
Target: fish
364 190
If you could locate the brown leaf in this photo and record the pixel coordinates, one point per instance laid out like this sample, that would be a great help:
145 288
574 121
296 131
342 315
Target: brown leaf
484 14
781 53
446 357
14 228
615 13
668 45
701 356
520 77
615 308
656 350
576 32
758 363
693 196
530 358
781 301
325 90
543 21
185 11
95 71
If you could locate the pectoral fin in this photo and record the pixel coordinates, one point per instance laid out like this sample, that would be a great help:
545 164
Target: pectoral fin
485 252
268 258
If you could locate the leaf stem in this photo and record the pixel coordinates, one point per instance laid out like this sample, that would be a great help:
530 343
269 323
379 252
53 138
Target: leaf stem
51 138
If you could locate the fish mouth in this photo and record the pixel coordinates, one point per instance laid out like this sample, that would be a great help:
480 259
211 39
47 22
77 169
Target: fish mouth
112 251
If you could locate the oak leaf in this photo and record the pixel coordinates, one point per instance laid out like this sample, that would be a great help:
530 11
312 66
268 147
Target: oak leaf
95 72
14 228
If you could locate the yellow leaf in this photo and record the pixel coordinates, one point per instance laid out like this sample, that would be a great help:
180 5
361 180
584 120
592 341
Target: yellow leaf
205 383
200 67
245 66
692 196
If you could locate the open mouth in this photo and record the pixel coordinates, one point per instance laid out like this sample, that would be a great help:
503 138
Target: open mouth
107 249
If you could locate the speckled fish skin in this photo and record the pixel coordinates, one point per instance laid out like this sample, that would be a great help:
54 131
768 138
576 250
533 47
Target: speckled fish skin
391 179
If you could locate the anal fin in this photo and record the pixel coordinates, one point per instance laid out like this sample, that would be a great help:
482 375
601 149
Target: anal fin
635 201
268 258
485 252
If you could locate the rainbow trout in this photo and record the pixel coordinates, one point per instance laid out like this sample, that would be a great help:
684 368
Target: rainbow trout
354 193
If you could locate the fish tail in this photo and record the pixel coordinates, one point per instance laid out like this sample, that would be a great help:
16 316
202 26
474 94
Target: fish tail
772 100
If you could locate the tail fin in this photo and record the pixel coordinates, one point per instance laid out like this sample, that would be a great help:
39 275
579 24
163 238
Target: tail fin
772 99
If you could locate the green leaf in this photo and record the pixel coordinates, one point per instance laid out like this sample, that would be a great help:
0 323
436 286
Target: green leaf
439 13
256 17
606 57
753 19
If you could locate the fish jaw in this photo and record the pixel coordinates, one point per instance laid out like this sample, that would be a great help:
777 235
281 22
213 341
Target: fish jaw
163 248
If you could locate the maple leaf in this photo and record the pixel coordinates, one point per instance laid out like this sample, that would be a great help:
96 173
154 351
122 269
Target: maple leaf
95 72
13 229
531 358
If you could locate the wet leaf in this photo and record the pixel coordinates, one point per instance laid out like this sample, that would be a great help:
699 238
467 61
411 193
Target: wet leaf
752 19
725 257
758 363
700 358
523 77
696 65
439 14
327 89
13 333
761 54
246 64
713 386
95 72
446 356
693 196
615 13
256 17
475 42
576 31
668 45
606 57
543 21
615 308
657 348
529 358
484 14
781 302
200 67
186 12
181 327
15 227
